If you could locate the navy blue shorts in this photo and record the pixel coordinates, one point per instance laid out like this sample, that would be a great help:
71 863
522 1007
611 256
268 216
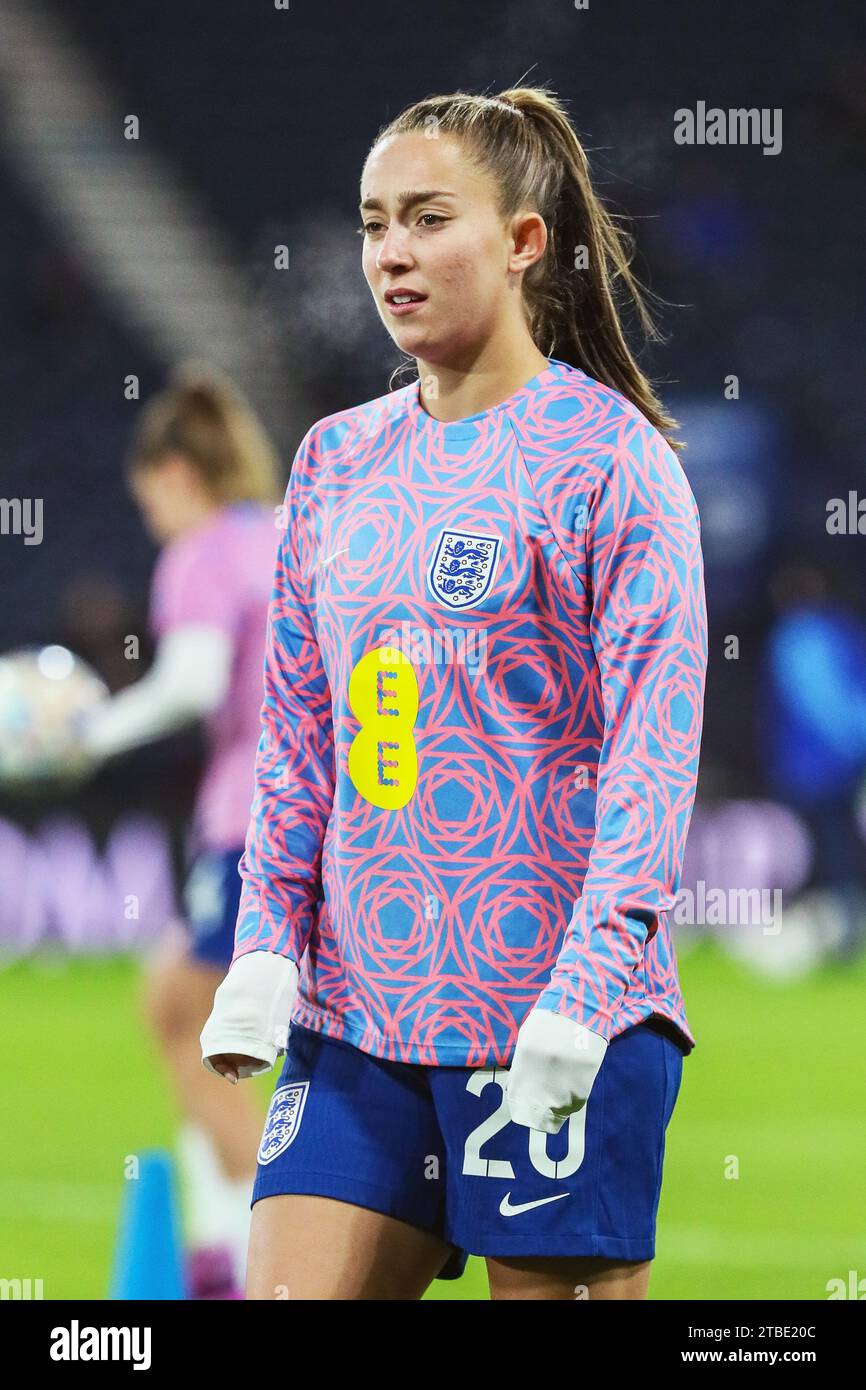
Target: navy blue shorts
212 894
435 1147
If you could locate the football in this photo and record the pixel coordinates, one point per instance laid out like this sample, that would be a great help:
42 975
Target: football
45 695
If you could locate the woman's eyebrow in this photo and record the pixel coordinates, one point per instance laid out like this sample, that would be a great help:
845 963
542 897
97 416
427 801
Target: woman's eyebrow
405 200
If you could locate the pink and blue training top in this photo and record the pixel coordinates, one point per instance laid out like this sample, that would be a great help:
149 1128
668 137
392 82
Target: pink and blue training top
484 682
221 575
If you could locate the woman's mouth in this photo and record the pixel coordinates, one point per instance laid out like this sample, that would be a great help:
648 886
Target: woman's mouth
400 304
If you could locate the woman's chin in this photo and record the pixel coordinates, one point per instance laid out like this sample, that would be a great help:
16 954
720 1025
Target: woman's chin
412 342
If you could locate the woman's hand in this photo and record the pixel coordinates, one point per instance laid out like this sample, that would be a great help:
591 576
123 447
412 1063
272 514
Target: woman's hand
555 1063
249 1025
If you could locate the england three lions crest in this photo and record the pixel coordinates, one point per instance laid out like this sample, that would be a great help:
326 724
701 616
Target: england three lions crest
284 1120
463 568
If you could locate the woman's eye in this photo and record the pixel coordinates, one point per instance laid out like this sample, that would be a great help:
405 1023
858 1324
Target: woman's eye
370 228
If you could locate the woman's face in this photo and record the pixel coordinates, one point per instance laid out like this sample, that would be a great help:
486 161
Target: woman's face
165 492
450 245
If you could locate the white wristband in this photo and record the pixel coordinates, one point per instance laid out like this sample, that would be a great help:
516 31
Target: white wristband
555 1063
252 1011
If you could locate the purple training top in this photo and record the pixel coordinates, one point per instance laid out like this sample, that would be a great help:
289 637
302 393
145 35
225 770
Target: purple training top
221 575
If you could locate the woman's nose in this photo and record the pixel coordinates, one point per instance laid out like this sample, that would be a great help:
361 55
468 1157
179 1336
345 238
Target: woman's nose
393 251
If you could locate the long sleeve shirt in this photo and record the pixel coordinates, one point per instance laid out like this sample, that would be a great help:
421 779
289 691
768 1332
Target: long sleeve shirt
481 728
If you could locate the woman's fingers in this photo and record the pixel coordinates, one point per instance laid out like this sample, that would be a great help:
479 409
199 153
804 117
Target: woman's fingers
225 1068
228 1064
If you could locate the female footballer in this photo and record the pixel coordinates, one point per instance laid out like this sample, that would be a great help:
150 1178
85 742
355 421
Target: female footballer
484 682
204 476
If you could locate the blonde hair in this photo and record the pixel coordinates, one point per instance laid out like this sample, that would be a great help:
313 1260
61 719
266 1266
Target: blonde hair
524 138
203 416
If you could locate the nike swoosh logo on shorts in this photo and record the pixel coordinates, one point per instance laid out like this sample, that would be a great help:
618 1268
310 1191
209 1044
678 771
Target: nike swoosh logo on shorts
506 1209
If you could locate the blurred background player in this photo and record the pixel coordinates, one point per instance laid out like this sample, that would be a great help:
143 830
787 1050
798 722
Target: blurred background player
203 473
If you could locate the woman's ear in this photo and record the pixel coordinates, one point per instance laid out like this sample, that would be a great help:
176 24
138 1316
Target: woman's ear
529 240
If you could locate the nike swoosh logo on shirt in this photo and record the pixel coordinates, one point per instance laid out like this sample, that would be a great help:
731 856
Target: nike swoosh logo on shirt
506 1209
333 557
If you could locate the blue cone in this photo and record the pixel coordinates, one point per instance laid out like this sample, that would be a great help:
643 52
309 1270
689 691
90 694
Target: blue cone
148 1259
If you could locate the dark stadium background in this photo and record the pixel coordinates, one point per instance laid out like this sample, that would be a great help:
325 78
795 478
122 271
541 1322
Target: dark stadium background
262 117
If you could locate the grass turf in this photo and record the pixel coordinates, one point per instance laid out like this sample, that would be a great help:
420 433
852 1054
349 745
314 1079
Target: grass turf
773 1090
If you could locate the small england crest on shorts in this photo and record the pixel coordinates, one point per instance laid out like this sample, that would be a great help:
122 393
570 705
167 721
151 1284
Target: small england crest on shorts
463 568
284 1120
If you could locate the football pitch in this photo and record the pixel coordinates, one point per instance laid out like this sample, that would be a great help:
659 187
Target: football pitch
764 1192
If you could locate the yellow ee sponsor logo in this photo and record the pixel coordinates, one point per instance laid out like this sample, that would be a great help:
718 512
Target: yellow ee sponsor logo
383 696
